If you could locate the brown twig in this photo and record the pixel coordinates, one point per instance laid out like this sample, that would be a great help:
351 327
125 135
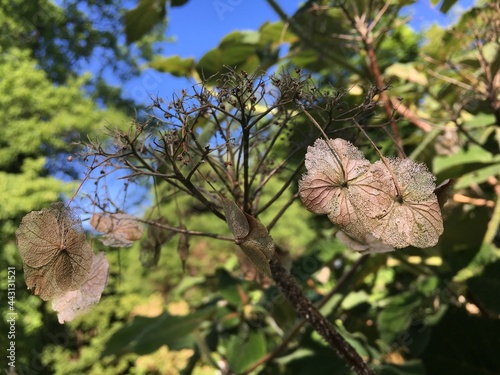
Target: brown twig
296 328
309 312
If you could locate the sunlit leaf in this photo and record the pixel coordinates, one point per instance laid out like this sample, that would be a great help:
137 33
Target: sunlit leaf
174 65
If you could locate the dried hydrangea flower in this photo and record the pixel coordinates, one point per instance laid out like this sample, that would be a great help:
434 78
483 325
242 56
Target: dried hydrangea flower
54 249
414 216
120 230
339 183
77 302
391 201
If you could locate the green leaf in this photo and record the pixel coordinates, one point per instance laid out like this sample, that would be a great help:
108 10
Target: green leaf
407 72
312 357
486 287
478 176
140 20
353 299
145 335
237 50
395 318
243 351
447 4
178 3
174 65
465 161
227 318
229 287
463 344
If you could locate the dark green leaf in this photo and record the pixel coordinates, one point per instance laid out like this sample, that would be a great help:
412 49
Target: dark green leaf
140 20
463 234
463 344
229 287
313 358
237 50
447 4
178 3
395 318
486 287
244 350
145 335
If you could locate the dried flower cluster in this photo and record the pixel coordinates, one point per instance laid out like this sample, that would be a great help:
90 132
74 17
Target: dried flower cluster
391 201
59 264
120 230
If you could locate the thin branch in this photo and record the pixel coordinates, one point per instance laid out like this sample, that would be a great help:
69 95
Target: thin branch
281 211
186 231
281 191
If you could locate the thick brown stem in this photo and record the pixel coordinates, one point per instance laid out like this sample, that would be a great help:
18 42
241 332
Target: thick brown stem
309 312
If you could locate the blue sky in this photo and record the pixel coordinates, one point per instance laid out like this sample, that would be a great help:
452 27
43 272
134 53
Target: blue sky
199 26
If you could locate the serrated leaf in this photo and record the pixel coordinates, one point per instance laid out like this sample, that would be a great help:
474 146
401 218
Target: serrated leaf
414 218
237 50
338 182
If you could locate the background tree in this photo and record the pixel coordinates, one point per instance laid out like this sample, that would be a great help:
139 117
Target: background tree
411 311
47 105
